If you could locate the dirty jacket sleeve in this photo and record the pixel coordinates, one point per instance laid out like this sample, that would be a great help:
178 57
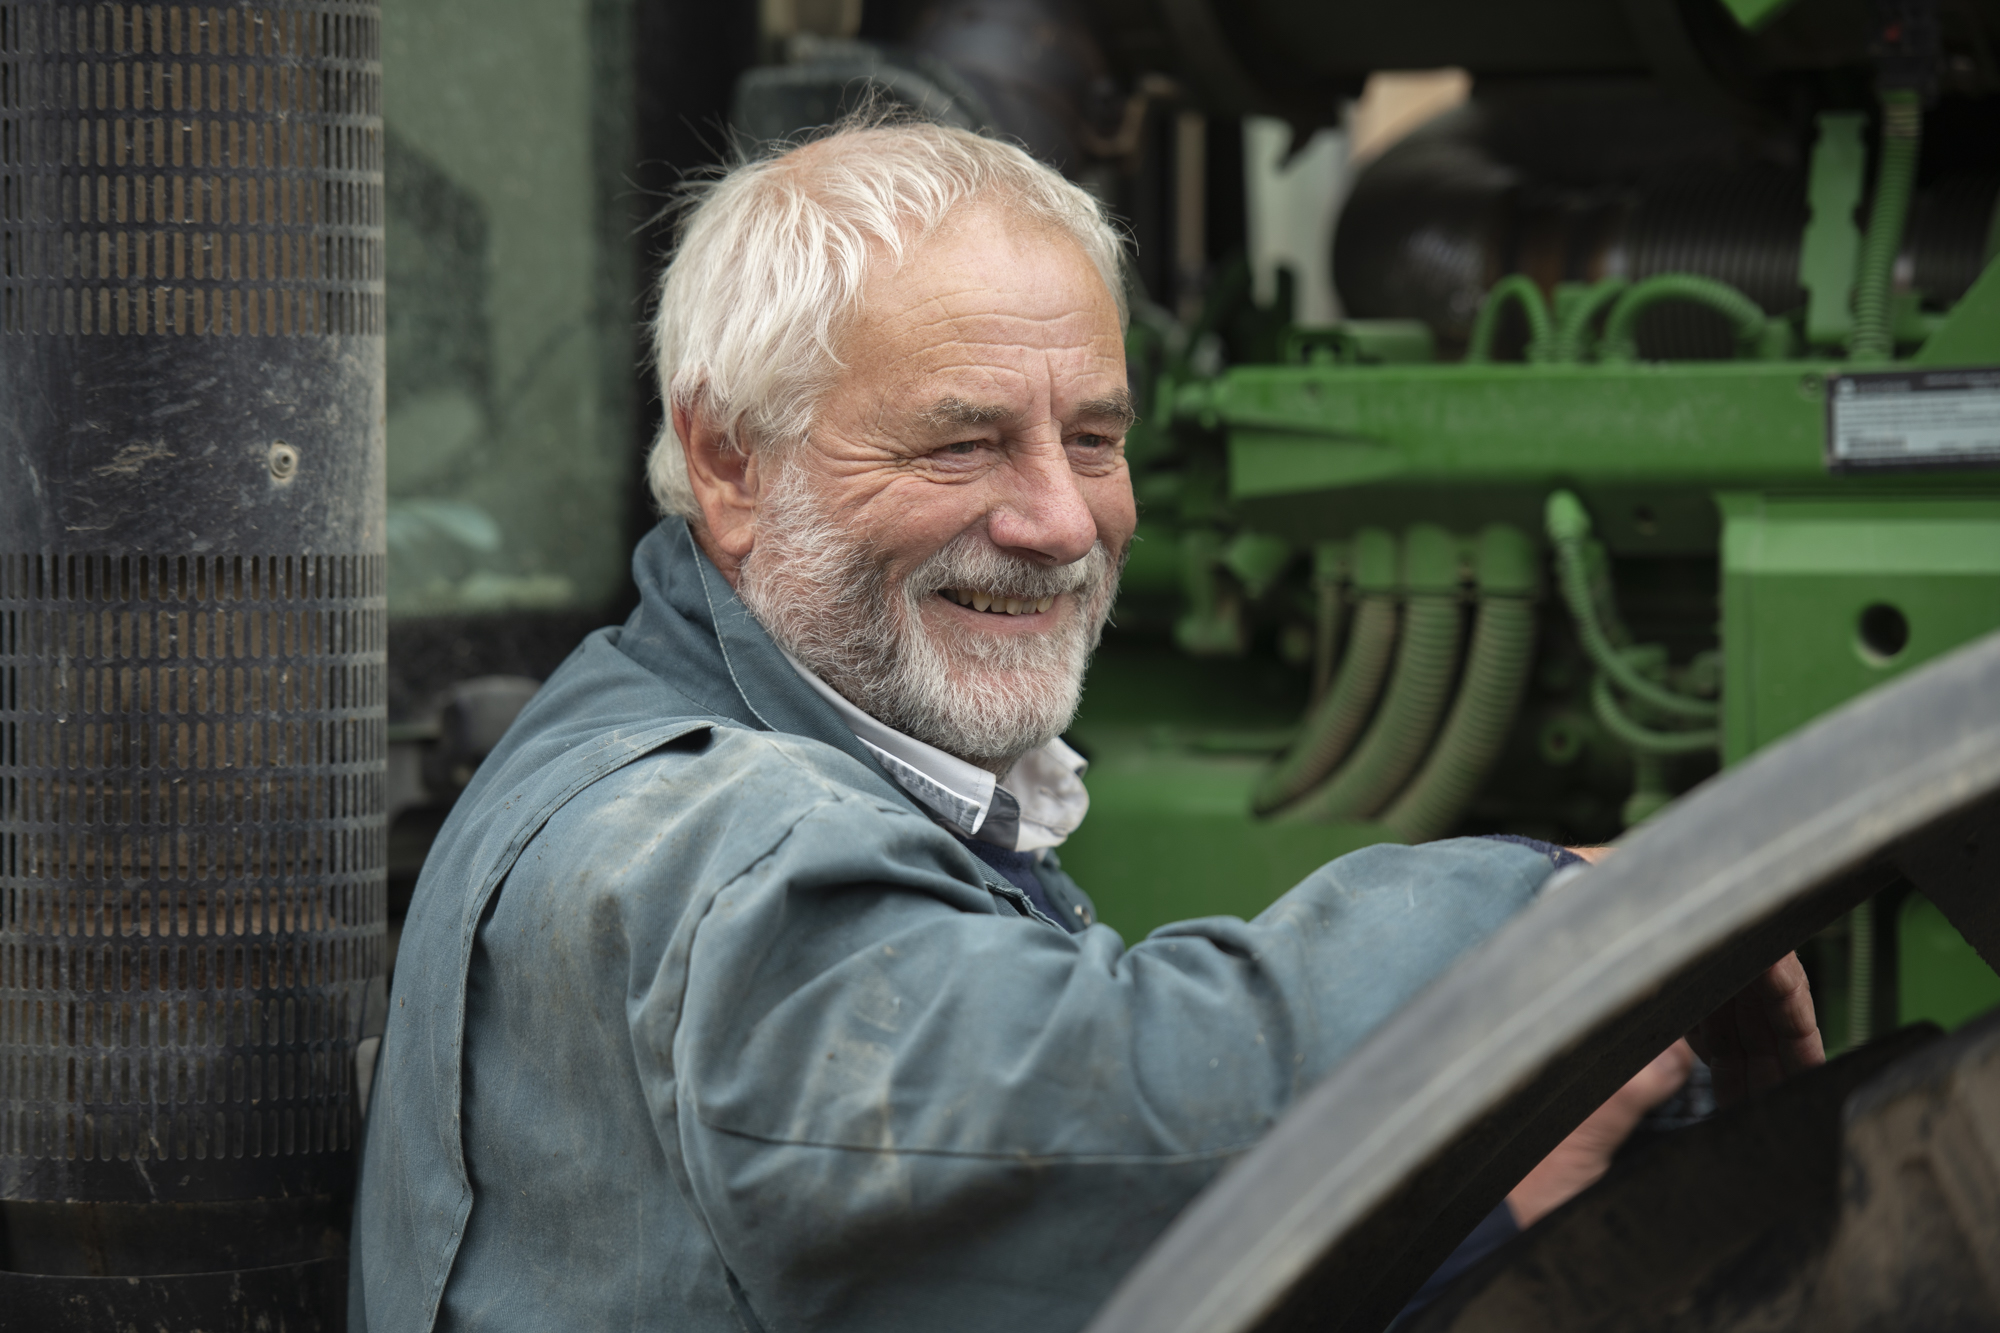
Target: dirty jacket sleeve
897 1105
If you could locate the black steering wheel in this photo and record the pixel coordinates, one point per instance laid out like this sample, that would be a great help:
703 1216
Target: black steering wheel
1365 1186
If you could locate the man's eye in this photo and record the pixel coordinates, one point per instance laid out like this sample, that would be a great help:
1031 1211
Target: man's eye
961 447
1091 441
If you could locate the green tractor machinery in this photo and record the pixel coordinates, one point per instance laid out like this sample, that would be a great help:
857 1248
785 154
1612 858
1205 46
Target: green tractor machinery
1515 464
1603 428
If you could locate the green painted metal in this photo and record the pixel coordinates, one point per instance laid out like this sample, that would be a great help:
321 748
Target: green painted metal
1377 562
1713 424
1153 565
1940 978
1170 836
1213 624
1362 342
1753 15
1970 335
1831 251
1828 583
1801 572
1306 428
1257 559
1176 745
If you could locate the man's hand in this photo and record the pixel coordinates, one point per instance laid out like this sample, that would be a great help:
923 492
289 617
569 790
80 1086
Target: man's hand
1585 1155
1764 1033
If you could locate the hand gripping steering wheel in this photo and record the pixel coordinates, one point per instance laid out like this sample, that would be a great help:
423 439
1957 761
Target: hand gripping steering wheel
1363 1188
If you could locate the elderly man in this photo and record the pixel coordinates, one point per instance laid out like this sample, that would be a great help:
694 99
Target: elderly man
744 989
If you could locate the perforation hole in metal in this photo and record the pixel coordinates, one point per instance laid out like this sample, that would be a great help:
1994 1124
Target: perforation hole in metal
189 170
192 867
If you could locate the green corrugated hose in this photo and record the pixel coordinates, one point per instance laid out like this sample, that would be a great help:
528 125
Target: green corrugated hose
1902 132
1496 671
1620 326
1514 287
1401 731
1336 719
1573 334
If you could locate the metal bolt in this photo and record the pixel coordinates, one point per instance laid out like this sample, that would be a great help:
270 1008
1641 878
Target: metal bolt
284 461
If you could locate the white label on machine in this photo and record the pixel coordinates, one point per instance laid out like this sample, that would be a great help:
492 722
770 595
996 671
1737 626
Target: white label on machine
1913 419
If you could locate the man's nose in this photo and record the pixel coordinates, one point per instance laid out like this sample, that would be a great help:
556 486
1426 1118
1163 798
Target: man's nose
1041 511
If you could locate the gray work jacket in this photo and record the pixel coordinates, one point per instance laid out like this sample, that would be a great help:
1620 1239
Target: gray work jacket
700 1024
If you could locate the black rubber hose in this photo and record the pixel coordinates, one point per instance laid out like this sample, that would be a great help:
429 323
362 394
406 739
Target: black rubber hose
1337 718
1496 672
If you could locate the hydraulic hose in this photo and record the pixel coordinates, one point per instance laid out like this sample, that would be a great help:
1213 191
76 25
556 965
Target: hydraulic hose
1337 718
1516 287
1489 696
1327 624
1401 730
1574 332
1744 314
1902 134
1568 527
1640 737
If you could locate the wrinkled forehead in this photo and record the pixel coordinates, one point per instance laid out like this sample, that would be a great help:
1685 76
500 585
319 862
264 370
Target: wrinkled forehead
990 226
988 273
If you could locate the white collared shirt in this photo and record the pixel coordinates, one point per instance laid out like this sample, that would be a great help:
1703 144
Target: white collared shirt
1040 803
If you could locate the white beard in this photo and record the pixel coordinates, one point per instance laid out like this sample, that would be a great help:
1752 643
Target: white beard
988 699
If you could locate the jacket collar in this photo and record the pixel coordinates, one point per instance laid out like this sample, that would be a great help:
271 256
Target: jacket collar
693 631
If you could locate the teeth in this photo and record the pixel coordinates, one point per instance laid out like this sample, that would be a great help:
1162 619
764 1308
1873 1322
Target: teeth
998 605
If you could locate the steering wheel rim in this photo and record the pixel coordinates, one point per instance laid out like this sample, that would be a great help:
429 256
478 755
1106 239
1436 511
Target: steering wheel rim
1339 1214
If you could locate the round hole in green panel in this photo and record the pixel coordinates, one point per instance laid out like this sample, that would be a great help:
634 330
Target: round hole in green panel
1884 632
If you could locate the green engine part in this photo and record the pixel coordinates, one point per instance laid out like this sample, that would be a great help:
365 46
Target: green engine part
1826 596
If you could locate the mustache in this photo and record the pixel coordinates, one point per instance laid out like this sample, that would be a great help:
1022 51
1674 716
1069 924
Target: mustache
970 561
830 598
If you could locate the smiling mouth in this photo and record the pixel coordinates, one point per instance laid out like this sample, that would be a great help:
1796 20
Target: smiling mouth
994 604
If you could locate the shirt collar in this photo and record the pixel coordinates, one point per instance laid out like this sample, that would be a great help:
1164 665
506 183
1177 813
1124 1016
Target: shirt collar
1041 802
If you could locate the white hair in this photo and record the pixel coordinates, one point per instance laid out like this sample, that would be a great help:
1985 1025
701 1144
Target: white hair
773 257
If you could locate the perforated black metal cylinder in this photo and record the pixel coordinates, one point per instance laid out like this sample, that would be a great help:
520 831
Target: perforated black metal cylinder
192 716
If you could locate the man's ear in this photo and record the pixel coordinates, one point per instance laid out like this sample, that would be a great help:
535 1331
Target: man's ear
724 479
